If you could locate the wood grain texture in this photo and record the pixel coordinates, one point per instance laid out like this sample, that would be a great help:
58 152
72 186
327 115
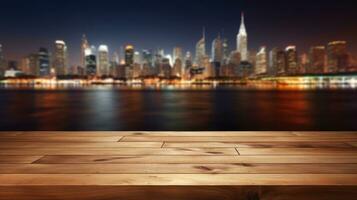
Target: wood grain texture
236 139
178 192
9 145
69 138
258 144
177 179
196 159
19 159
297 151
120 151
178 165
236 168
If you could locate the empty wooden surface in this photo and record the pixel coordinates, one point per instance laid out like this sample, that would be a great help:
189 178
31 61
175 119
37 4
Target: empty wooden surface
178 165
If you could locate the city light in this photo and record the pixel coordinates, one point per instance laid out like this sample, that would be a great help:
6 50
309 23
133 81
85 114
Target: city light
330 64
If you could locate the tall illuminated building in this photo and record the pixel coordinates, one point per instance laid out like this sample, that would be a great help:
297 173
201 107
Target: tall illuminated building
201 50
44 66
114 64
137 65
292 60
147 60
178 60
277 62
129 54
147 57
187 65
177 54
129 61
217 50
84 45
37 64
317 60
165 68
242 41
261 66
60 58
337 57
303 63
273 62
225 50
103 60
137 57
90 62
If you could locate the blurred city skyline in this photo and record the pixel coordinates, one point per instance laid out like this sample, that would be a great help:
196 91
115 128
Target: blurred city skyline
154 24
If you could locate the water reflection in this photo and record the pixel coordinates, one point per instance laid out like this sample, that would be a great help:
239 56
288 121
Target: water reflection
227 108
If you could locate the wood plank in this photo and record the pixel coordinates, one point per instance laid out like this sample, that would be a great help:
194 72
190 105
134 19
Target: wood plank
354 144
326 133
177 179
256 145
29 138
196 159
178 192
79 144
235 139
18 159
120 151
156 133
297 151
178 168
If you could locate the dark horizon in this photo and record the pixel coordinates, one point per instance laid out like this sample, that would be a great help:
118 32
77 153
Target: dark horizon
154 24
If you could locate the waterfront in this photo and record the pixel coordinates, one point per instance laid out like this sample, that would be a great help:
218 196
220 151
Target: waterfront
231 108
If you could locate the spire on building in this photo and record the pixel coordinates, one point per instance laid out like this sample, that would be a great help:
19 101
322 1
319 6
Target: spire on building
242 40
242 29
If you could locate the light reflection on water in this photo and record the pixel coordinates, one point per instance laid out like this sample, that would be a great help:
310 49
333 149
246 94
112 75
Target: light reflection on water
196 108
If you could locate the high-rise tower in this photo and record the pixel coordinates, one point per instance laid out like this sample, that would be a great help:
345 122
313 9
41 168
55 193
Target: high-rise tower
103 60
217 50
242 40
84 46
60 58
201 49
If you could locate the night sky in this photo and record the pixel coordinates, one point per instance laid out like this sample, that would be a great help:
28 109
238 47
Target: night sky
28 25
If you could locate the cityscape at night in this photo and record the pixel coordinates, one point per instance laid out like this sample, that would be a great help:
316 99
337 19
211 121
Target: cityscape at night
210 59
178 100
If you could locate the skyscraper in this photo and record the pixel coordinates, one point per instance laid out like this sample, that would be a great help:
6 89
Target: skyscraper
148 60
177 54
187 65
292 60
60 58
129 54
177 62
242 40
217 50
225 51
137 58
281 63
261 66
103 60
337 56
114 63
317 60
84 45
44 66
90 62
201 50
273 62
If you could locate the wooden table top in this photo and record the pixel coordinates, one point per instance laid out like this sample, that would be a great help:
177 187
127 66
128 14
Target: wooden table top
126 164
